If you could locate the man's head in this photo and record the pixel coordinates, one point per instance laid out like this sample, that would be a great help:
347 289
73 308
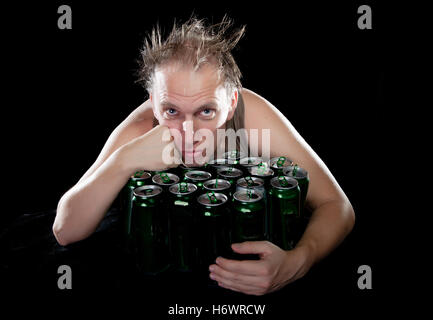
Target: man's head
192 79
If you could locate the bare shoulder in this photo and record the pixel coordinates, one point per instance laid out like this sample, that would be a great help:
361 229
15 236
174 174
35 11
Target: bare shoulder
259 112
137 123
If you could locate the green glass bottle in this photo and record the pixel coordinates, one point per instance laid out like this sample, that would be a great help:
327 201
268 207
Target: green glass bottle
165 180
218 186
254 183
182 169
248 220
182 224
230 174
215 164
283 199
213 229
279 163
198 177
263 172
140 178
248 162
150 230
301 175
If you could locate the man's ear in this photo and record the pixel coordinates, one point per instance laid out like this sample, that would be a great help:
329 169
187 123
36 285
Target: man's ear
233 104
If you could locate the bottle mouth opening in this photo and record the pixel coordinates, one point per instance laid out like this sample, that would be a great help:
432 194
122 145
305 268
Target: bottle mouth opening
217 184
229 172
284 182
166 179
141 175
247 196
198 175
185 189
299 172
212 199
147 191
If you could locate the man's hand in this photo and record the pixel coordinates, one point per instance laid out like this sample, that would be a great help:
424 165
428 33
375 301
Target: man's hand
274 270
155 150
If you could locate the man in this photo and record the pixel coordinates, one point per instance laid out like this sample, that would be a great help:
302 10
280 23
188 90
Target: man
193 84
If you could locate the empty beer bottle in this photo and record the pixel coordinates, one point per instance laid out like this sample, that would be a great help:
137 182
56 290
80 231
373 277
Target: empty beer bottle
214 164
218 186
279 163
249 162
283 200
140 178
248 220
213 229
197 177
182 169
165 180
301 175
182 226
254 183
230 174
263 172
150 230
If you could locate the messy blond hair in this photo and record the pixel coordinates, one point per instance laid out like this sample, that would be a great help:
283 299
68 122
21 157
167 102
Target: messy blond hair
193 43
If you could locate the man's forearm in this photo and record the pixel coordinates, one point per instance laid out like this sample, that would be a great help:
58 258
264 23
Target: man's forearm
82 208
329 225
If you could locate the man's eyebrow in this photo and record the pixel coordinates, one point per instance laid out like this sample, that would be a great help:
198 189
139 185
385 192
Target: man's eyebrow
209 104
167 104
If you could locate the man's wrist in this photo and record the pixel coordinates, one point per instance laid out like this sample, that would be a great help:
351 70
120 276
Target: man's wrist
307 253
121 162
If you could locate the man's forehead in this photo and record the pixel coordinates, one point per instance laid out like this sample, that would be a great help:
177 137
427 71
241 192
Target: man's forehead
184 81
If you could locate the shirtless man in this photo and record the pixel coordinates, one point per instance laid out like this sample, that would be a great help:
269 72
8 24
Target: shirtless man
192 78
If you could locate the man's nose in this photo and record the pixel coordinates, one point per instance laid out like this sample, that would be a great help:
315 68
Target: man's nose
188 133
189 128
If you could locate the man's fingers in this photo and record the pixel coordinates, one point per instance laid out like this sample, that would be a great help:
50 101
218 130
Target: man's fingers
257 247
166 135
238 278
229 284
247 267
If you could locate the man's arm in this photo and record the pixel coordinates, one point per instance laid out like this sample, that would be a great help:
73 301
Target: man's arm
332 219
332 214
131 146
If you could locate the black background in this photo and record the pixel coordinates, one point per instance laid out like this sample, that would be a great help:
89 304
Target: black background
71 88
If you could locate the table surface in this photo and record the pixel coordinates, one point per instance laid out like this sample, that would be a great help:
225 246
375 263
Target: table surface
30 257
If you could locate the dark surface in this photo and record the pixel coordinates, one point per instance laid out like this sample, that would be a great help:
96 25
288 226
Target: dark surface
101 271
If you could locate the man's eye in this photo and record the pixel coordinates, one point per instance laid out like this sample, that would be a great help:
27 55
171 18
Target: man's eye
207 112
171 112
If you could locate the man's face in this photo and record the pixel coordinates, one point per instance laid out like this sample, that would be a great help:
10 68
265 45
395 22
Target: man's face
187 101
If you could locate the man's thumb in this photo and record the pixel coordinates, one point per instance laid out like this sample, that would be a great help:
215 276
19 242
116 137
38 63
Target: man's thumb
246 247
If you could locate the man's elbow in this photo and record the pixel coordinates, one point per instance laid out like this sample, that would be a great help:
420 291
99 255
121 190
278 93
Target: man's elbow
61 229
58 234
350 213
